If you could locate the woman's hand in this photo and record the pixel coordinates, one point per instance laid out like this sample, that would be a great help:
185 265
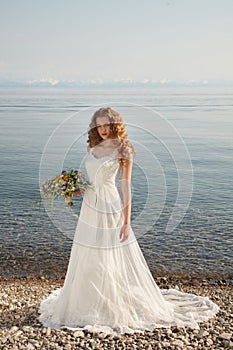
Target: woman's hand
125 232
77 193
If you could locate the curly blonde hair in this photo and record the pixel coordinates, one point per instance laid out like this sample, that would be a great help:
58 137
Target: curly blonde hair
117 132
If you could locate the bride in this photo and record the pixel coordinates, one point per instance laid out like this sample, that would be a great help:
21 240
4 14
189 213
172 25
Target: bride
108 286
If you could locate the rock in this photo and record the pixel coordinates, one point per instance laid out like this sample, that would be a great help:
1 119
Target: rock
225 336
14 329
28 329
149 347
209 342
150 334
18 333
79 334
68 347
205 333
48 332
102 335
169 332
30 346
225 344
178 343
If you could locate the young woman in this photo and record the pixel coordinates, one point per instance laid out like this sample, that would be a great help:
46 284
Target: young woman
108 286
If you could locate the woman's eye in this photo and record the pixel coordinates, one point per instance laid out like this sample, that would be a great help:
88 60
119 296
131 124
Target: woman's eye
104 125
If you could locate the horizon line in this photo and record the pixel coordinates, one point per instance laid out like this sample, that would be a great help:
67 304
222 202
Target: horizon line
118 82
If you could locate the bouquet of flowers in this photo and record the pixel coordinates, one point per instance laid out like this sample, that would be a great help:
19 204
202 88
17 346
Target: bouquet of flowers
64 185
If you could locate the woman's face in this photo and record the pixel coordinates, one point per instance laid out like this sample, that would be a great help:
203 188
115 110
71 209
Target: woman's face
103 127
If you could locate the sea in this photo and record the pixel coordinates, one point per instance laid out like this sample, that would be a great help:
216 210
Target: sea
182 180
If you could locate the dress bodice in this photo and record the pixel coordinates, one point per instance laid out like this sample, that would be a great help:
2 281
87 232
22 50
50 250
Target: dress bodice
103 171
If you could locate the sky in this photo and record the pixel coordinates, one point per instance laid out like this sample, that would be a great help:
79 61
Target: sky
159 40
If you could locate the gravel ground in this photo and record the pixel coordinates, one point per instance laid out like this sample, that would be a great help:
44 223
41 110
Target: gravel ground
20 328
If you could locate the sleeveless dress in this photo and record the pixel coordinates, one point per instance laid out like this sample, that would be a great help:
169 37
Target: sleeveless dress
108 286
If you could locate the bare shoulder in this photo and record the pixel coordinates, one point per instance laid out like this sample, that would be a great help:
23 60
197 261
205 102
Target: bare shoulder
126 149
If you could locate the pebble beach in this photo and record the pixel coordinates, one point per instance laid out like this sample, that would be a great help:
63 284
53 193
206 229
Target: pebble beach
20 328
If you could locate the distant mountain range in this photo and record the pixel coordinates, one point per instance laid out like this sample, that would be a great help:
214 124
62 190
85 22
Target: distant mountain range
117 83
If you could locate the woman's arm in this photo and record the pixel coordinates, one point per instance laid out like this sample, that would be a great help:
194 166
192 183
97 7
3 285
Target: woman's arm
126 196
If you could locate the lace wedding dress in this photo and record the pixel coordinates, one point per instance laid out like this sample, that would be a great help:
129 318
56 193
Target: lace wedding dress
108 286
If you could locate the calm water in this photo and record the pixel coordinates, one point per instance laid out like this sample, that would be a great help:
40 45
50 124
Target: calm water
36 242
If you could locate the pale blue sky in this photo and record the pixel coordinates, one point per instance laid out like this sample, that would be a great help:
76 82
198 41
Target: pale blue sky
114 39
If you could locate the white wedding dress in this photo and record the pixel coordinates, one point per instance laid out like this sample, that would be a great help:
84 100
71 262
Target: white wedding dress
108 286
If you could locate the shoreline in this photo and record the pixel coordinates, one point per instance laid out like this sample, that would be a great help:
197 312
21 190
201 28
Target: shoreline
18 267
166 279
20 328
